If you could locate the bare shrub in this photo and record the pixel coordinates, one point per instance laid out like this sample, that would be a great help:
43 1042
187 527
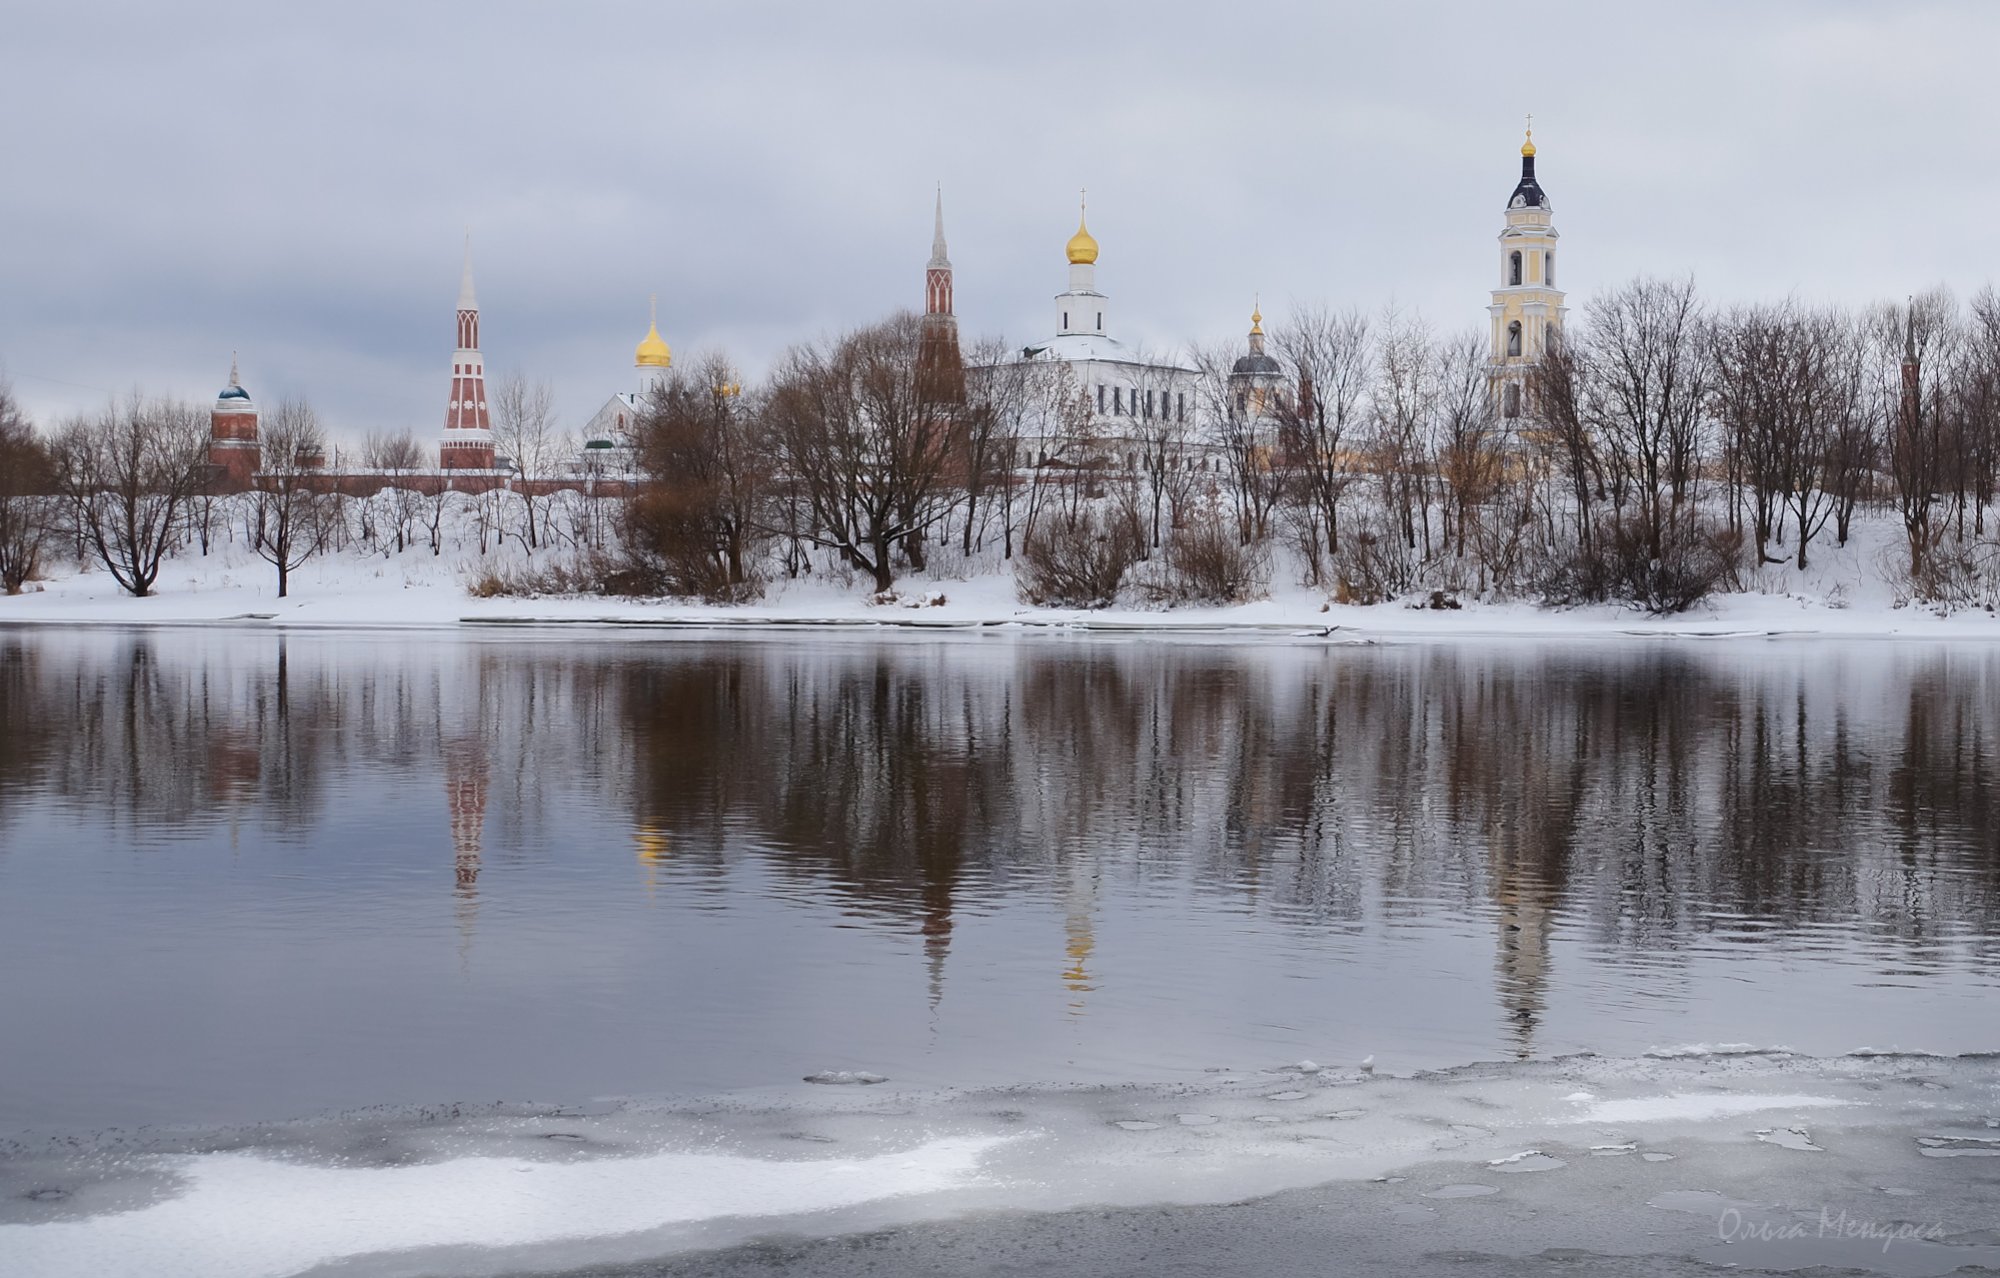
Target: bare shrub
1696 559
1951 577
1077 561
1208 563
1375 561
670 549
589 573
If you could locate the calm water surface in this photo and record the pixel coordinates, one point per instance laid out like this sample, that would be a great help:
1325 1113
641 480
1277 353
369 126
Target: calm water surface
261 876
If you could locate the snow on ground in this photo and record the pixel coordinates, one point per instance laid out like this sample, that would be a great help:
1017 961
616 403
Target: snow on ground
1846 592
1618 1155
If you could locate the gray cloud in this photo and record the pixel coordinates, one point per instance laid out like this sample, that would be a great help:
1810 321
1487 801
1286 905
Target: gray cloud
294 184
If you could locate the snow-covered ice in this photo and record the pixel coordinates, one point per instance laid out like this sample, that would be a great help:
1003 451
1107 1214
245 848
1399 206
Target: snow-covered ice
509 1190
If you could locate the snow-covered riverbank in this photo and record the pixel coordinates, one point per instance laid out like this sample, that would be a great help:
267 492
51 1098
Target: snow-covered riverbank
1845 598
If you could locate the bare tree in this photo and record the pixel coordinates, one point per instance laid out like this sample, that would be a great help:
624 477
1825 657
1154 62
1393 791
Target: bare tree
1562 393
399 458
1001 395
1472 461
1329 356
1246 440
1651 383
27 480
290 511
699 520
1914 400
128 474
1403 404
868 436
525 431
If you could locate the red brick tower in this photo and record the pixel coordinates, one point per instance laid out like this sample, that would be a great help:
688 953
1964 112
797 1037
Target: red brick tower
468 431
938 353
232 436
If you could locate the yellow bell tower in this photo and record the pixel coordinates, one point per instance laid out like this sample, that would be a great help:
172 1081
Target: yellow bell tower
1527 307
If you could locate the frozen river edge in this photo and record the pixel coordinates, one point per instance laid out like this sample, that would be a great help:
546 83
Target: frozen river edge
1668 1163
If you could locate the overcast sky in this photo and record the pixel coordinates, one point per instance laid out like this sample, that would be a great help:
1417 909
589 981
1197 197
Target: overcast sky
294 182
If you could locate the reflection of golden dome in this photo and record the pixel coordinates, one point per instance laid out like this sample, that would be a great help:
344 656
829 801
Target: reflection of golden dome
650 842
1528 147
654 352
1082 247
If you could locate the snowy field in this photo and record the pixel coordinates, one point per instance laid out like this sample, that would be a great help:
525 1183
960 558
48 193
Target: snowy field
1711 1156
1848 591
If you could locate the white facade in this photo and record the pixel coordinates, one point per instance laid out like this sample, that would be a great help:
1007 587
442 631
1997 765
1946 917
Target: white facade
1122 390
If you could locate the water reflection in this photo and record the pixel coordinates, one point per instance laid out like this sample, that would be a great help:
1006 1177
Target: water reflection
1588 810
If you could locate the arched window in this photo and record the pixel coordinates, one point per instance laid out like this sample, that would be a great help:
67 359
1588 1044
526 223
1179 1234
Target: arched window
1549 268
1514 267
1548 337
1513 406
1514 338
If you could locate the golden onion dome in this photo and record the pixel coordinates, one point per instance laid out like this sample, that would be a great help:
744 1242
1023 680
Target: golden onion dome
1257 319
1082 247
654 351
1528 147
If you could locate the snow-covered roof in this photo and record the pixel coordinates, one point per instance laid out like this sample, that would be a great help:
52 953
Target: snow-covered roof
1078 347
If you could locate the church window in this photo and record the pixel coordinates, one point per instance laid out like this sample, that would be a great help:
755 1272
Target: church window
1514 338
1065 319
1180 406
1242 403
1100 321
1100 397
1514 268
1118 400
1549 269
1513 407
1149 405
1548 337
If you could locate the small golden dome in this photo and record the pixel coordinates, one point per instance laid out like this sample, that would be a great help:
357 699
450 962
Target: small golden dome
654 352
1257 319
1082 247
1528 147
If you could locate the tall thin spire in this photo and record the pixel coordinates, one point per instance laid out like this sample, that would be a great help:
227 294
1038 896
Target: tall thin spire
466 300
235 378
937 275
939 261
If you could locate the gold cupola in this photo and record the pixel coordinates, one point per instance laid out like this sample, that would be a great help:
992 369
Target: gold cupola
654 352
1082 247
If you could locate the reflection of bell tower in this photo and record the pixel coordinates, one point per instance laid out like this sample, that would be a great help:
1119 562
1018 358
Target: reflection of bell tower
651 845
465 795
1525 917
936 931
1079 929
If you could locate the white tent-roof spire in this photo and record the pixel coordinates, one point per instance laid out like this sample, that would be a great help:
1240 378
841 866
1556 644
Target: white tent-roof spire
466 300
938 259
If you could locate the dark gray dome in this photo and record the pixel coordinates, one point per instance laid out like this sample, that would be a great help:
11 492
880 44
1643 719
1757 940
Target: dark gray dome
1528 193
1256 364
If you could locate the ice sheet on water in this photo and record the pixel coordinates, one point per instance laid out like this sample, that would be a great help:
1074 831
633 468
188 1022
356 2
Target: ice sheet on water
480 1191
